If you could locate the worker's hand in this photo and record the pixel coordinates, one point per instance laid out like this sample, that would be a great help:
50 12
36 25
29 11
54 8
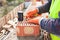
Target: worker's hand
34 20
31 13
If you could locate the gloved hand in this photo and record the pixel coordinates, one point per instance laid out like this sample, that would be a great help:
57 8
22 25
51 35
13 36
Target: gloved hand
34 20
31 13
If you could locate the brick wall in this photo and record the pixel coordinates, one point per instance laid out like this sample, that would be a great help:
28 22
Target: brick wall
11 15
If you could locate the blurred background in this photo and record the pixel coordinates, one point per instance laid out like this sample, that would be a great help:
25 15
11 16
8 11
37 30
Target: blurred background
8 5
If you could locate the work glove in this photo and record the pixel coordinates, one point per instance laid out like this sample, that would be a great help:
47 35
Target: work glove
36 20
31 13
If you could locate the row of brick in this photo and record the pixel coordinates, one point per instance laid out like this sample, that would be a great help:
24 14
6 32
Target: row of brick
11 15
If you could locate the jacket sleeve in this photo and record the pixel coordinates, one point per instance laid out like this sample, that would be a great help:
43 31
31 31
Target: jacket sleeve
44 8
51 25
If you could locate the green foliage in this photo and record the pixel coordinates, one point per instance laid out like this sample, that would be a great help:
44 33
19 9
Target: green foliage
9 0
21 0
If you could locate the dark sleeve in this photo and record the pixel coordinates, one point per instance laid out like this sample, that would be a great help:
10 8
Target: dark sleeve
44 8
51 25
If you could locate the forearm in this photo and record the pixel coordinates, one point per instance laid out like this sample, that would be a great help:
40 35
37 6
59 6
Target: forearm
44 8
51 25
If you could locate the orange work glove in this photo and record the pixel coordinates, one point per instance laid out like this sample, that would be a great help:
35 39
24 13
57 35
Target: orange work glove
30 14
34 20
